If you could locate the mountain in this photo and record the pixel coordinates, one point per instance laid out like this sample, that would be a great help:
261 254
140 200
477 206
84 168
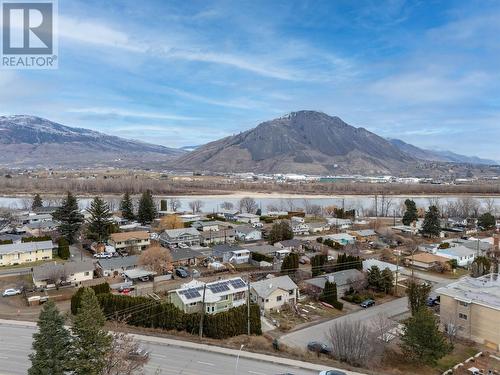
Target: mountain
442 156
29 141
300 142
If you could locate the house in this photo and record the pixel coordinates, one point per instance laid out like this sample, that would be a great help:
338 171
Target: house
135 274
217 237
248 218
207 226
247 233
185 256
425 261
268 250
344 279
342 238
32 218
299 229
471 308
273 293
462 254
297 220
39 228
339 223
224 252
131 241
117 265
185 237
291 245
25 252
229 215
369 263
277 214
217 296
365 235
318 227
54 273
188 218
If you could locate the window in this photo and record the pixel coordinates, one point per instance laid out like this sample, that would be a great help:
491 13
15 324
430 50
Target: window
278 299
462 303
87 273
462 316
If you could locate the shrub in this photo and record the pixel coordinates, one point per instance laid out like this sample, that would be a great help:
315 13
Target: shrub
36 238
261 258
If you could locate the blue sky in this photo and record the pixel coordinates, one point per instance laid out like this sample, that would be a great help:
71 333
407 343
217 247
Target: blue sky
187 72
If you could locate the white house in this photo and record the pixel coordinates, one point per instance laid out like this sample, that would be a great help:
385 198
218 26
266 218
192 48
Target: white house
247 233
300 228
272 293
339 223
462 254
54 273
248 218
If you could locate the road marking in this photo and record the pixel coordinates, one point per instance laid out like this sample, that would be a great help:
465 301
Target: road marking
205 363
256 373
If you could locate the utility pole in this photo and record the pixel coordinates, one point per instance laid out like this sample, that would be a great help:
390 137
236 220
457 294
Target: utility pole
202 315
398 252
248 306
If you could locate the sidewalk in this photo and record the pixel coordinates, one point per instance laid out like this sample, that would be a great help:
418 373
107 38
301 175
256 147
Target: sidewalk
212 349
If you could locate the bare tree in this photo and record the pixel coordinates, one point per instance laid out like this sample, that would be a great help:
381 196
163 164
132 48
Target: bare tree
248 204
6 218
272 208
196 206
355 343
125 356
490 205
175 204
156 259
227 206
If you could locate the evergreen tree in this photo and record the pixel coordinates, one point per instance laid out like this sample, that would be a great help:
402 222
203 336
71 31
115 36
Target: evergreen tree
422 341
431 226
317 263
99 223
387 280
91 342
417 295
127 207
51 343
290 264
63 248
147 209
37 202
374 278
411 213
280 231
329 294
69 217
163 205
486 221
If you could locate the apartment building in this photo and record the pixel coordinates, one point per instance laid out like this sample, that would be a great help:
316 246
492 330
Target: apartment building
471 308
25 252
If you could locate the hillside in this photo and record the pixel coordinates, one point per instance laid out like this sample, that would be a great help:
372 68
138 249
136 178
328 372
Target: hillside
301 142
29 141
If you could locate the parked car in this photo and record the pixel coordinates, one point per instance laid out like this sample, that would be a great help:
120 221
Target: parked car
103 255
181 273
318 347
367 303
332 372
433 301
11 292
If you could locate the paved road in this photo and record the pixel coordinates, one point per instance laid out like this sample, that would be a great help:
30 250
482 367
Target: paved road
319 332
15 345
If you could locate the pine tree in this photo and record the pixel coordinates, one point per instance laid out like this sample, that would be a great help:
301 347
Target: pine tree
431 226
127 207
69 217
37 202
486 221
163 205
411 213
63 248
99 223
417 295
374 278
51 344
91 342
280 231
147 209
422 341
290 264
329 294
387 280
317 264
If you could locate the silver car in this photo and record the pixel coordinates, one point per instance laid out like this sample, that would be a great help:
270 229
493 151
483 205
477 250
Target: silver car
11 292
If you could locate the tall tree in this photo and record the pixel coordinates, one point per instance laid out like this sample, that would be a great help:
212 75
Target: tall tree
248 204
280 231
50 344
487 221
127 207
421 340
69 217
196 206
91 342
37 202
317 264
387 280
374 278
411 213
99 222
418 293
175 204
63 248
290 264
147 209
431 226
329 294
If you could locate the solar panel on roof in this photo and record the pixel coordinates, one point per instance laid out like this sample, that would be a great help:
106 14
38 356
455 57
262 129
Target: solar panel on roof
238 283
219 287
190 293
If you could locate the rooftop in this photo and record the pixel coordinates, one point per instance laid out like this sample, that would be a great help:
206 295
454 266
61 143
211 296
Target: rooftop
193 291
184 254
48 270
126 236
265 287
427 258
340 278
484 290
119 262
174 233
25 247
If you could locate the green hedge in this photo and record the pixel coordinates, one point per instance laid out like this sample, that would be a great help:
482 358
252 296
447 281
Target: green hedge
261 258
36 238
6 242
98 289
145 312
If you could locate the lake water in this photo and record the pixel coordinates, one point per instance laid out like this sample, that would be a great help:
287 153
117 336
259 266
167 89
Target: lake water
211 203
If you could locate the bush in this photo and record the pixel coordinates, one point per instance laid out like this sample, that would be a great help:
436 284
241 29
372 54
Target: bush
319 239
338 305
76 298
261 258
63 248
36 238
6 242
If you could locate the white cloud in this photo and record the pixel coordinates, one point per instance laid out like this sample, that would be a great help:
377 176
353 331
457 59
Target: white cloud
103 111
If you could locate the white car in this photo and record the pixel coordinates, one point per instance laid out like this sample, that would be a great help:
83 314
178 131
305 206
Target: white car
11 292
332 372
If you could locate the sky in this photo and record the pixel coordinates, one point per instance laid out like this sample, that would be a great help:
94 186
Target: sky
182 73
